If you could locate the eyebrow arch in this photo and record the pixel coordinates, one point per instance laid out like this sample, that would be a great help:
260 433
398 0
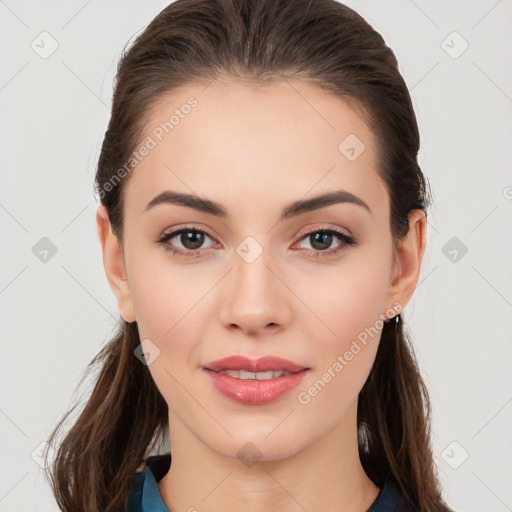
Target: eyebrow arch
292 210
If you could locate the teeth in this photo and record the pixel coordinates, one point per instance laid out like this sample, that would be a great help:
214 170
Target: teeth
242 374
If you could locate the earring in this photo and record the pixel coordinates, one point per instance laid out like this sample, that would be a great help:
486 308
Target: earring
397 307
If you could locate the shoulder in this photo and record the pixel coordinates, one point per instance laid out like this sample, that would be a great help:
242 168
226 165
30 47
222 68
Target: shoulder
389 499
135 500
154 468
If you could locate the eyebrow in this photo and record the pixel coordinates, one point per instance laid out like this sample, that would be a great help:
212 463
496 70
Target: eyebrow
292 210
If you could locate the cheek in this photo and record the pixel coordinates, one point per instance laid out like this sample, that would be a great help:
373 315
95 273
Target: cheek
347 324
346 300
167 308
161 293
169 305
345 352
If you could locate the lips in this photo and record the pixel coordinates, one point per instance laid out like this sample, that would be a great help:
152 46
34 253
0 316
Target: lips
254 381
264 364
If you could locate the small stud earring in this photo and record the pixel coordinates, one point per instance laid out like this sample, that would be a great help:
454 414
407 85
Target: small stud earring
397 307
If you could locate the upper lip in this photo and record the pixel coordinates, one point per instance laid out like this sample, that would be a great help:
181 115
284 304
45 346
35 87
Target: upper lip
264 364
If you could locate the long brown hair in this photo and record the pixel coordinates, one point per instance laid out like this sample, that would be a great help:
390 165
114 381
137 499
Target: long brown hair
324 43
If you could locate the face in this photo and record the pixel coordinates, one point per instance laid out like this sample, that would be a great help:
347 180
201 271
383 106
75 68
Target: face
309 284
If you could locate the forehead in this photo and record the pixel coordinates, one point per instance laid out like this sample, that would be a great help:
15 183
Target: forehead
234 141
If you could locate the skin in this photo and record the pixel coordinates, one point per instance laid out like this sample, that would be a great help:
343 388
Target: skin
254 150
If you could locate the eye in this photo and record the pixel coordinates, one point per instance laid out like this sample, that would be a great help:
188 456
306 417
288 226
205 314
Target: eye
321 239
191 239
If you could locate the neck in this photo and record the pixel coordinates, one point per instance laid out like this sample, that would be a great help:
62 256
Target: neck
326 476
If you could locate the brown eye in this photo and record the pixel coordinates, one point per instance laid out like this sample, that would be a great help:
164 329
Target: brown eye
191 240
322 239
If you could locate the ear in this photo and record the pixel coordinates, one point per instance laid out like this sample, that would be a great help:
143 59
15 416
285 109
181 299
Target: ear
407 260
113 262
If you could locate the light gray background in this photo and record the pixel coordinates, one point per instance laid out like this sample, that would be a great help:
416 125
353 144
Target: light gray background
57 314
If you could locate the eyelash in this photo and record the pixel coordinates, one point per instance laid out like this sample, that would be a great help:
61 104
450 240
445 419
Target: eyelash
346 241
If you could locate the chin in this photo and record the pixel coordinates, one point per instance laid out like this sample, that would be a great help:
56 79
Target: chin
259 447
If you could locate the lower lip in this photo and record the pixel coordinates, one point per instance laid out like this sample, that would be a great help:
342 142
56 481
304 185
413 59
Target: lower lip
255 392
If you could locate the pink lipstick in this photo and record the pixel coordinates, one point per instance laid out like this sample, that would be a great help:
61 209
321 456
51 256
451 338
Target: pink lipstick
255 381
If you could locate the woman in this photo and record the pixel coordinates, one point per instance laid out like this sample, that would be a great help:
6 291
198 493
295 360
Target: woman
263 223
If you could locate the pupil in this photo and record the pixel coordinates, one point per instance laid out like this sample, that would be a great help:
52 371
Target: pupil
192 239
324 240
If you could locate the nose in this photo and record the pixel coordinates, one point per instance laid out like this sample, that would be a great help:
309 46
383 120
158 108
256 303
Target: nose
255 297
